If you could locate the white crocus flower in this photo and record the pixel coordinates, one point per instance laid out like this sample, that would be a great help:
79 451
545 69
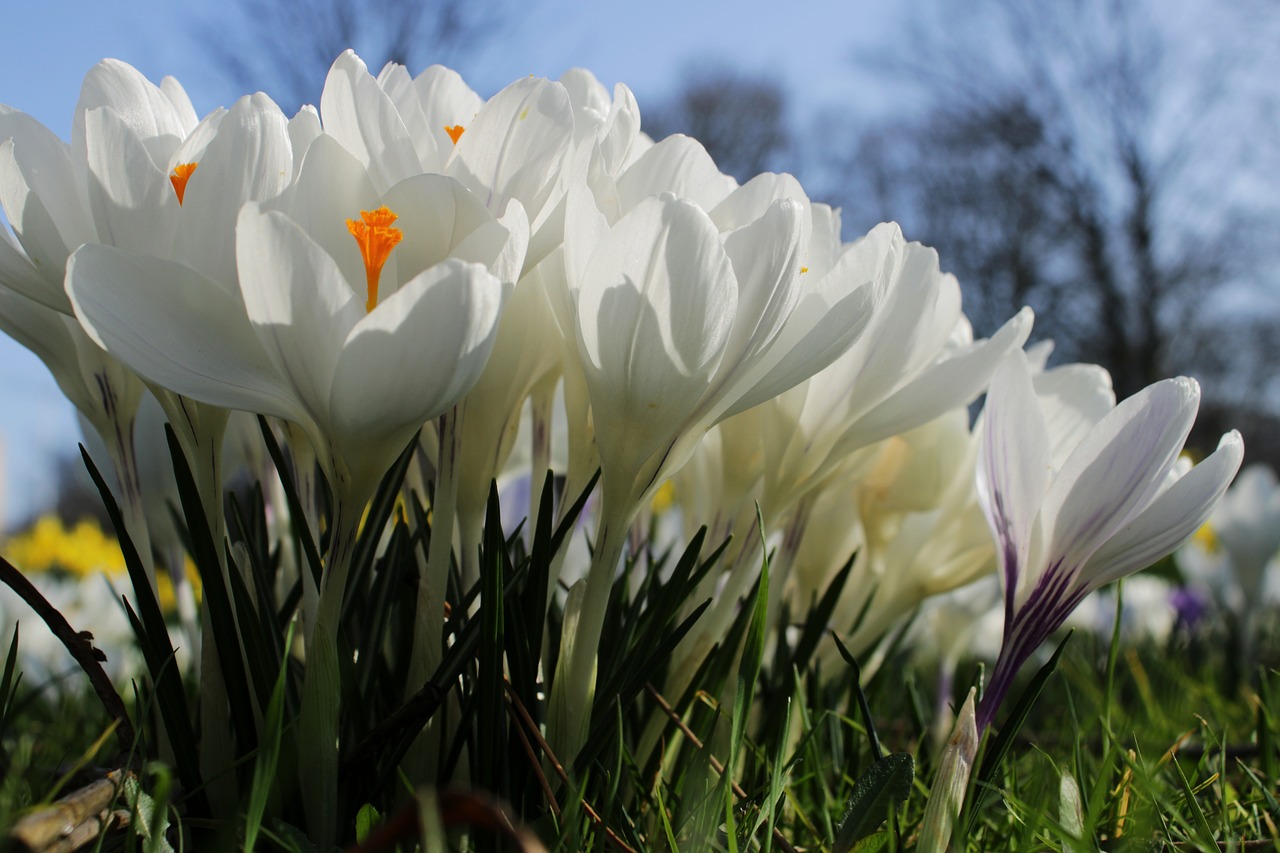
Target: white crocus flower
436 108
104 392
142 175
916 361
361 116
355 343
1235 557
193 200
1114 505
56 196
677 324
357 337
512 146
1247 524
922 526
135 150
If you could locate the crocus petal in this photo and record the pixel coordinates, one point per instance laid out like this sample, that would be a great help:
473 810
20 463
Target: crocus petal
436 214
332 187
516 146
1013 467
416 354
34 226
621 128
357 113
914 323
131 199
46 166
655 309
824 241
250 158
747 203
1171 518
766 262
44 332
667 256
585 228
394 79
299 303
304 128
957 381
1073 397
183 110
1117 469
513 257
678 165
173 326
822 327
20 275
162 121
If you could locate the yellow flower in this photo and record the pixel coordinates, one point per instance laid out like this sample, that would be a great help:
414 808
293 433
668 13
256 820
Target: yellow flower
1206 537
82 551
663 499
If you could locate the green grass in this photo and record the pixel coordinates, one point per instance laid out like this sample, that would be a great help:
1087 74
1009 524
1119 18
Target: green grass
1141 748
1189 761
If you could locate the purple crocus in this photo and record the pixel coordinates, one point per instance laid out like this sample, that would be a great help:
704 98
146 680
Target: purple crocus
1113 505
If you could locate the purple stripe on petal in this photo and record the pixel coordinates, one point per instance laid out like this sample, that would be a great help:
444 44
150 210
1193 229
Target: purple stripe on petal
1052 604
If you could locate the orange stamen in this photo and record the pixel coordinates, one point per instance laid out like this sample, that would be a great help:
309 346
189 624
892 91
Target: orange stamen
376 238
454 131
179 176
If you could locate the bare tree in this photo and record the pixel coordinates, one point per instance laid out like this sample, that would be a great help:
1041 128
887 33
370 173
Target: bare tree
288 45
1098 161
741 120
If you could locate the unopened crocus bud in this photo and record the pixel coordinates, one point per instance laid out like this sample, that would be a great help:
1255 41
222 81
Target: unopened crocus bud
1070 807
952 780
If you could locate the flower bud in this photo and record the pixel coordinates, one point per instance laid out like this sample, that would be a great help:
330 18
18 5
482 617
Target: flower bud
951 781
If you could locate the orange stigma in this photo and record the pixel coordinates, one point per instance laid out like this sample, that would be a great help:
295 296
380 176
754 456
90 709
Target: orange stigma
376 238
179 176
454 131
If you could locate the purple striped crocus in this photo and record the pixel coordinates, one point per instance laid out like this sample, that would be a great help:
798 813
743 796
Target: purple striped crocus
1115 503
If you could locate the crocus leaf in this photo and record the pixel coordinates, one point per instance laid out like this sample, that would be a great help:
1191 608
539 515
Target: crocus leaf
879 790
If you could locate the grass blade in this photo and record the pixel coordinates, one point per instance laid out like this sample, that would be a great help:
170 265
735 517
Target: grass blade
264 770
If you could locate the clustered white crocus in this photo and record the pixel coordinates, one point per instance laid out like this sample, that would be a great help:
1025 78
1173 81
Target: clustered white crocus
412 257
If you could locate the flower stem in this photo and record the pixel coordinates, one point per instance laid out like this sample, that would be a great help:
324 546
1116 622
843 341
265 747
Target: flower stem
1002 676
427 651
541 400
318 720
573 694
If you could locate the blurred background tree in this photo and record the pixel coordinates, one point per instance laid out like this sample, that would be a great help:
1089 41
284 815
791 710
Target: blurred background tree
288 45
740 119
1109 163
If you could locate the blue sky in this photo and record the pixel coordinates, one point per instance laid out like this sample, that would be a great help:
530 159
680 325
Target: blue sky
45 49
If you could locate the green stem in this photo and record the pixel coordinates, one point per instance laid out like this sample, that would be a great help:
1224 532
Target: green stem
427 651
124 461
541 400
1113 656
573 694
318 720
